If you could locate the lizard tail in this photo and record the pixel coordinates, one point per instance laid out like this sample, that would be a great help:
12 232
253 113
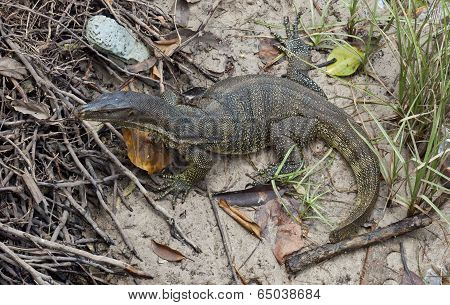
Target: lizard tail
364 164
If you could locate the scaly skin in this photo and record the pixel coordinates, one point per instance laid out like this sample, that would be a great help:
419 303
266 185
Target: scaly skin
245 114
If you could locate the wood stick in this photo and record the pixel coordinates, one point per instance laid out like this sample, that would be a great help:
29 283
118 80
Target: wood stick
66 249
40 278
299 261
225 239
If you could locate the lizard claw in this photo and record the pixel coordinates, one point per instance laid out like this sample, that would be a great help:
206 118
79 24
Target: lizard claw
264 175
293 44
176 186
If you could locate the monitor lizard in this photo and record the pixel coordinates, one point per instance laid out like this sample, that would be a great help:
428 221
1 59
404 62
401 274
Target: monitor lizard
245 114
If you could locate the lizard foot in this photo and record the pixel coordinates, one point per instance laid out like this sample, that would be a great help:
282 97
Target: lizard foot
176 186
264 175
293 44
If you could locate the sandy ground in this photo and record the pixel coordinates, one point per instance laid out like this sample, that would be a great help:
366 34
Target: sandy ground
237 45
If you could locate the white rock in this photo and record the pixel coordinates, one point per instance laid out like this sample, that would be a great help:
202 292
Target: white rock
106 35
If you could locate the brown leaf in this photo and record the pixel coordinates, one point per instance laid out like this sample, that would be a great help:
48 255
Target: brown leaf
144 153
162 20
166 46
155 73
289 239
142 66
39 111
241 218
446 280
12 68
267 50
167 253
254 196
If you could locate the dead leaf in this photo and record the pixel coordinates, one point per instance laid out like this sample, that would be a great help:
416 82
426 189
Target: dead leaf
167 47
144 153
142 66
254 196
12 68
33 187
192 1
374 271
155 73
409 277
267 50
161 19
241 218
348 59
39 111
181 13
288 240
167 253
446 280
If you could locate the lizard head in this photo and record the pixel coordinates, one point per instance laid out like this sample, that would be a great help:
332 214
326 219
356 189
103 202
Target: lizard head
127 109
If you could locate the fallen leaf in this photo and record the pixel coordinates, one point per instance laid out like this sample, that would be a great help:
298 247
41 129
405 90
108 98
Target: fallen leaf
267 50
254 196
33 187
142 66
374 271
144 153
241 218
161 19
155 73
181 13
288 240
446 280
279 229
419 11
12 68
420 7
192 1
348 59
167 253
39 111
167 47
409 277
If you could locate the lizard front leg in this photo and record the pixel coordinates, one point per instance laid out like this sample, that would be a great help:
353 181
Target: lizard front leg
298 54
200 162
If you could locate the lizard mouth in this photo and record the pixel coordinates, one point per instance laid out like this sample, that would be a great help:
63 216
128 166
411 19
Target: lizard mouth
80 112
89 111
86 112
94 111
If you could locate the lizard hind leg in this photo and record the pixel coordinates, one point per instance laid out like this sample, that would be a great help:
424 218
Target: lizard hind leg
294 132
